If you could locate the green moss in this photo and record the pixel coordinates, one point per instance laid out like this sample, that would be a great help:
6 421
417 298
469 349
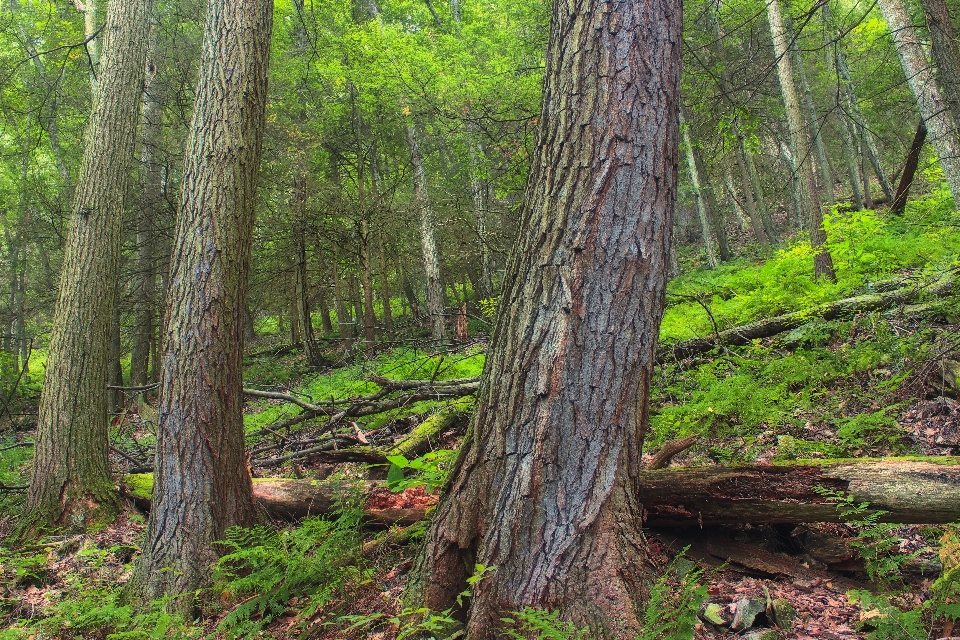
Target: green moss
139 485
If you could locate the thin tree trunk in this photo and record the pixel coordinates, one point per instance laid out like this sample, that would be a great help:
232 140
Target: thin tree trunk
385 287
822 262
873 155
366 269
343 318
731 189
703 211
546 487
909 170
760 219
145 275
202 482
934 110
431 255
301 286
847 145
71 485
115 377
325 321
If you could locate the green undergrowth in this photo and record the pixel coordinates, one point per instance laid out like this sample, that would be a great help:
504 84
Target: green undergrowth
867 248
837 394
354 380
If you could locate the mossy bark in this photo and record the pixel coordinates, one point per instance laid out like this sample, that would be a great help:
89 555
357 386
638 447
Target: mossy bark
70 486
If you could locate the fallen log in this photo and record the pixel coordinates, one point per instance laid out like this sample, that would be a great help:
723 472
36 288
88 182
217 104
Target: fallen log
911 491
769 327
295 499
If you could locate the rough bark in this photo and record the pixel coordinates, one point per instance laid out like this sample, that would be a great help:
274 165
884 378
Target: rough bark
71 484
909 170
941 128
546 486
813 214
203 484
910 491
431 255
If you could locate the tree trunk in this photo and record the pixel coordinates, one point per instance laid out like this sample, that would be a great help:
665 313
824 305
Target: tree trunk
203 484
753 196
870 152
541 490
946 56
343 318
910 491
301 284
813 214
909 170
325 320
941 127
151 195
384 287
366 270
71 485
114 368
431 255
703 211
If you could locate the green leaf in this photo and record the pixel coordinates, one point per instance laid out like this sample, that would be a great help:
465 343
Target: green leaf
394 475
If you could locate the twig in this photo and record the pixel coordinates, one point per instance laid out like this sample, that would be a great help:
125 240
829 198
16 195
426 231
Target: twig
668 451
25 443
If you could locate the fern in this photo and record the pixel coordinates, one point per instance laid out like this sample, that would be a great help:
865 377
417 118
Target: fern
267 568
674 601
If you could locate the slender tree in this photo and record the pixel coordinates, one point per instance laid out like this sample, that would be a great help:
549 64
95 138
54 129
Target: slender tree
546 488
71 485
800 150
202 484
941 128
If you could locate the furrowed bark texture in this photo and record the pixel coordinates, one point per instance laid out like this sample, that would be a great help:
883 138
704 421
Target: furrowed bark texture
909 170
203 484
71 485
546 488
934 109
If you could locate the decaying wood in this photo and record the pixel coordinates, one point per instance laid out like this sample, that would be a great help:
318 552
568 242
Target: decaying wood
769 327
415 443
910 491
294 499
669 450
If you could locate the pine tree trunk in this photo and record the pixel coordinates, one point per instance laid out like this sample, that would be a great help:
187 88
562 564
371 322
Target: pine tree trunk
202 484
385 287
546 486
145 277
71 485
431 255
934 110
366 270
802 161
343 318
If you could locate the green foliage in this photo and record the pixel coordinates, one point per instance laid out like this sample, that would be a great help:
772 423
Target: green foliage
541 625
889 622
266 568
674 601
429 470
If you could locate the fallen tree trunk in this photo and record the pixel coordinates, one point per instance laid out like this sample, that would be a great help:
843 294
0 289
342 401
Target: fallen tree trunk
911 491
294 499
745 334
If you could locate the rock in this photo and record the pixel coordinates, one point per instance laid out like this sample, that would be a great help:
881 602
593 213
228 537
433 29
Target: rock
747 612
782 613
762 634
713 613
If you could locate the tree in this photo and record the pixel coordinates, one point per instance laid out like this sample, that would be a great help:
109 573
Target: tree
941 128
202 482
546 486
800 150
71 485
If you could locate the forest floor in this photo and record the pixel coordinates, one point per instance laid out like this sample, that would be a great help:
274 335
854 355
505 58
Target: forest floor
873 384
